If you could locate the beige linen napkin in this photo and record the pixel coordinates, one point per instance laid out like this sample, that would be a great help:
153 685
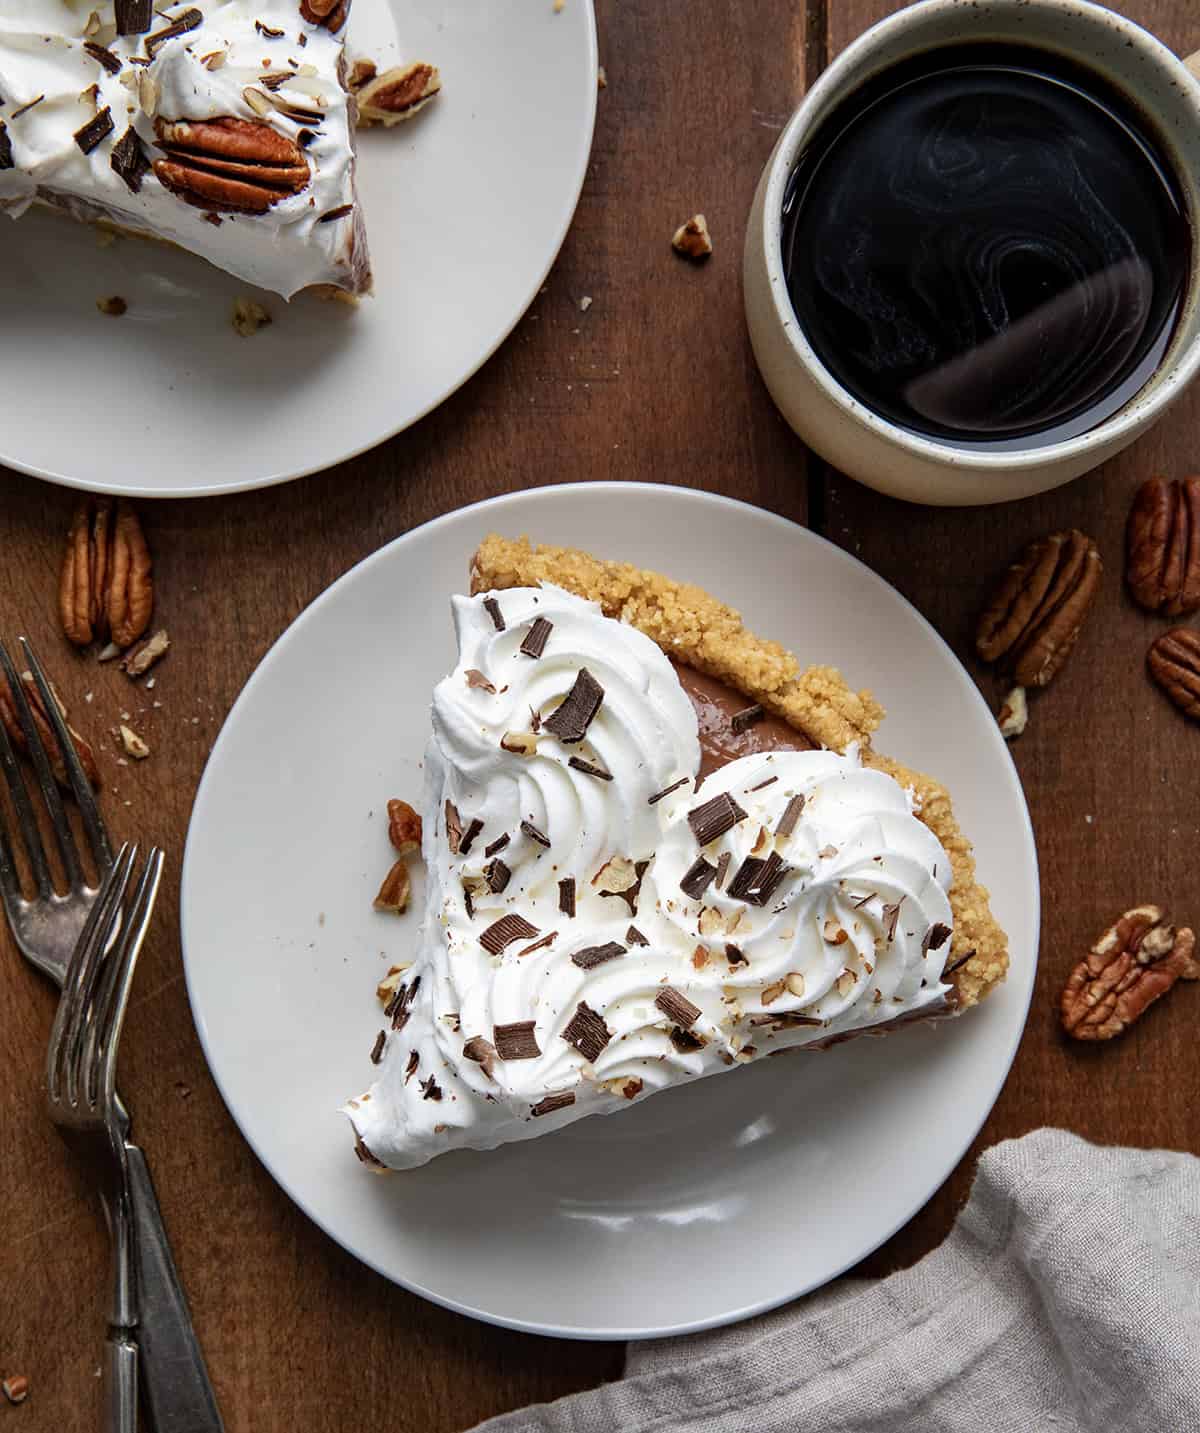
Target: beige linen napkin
1065 1300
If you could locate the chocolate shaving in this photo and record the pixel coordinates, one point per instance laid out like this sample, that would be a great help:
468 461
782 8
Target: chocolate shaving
410 1068
550 1103
364 1154
6 153
430 1089
398 1007
534 834
959 963
735 955
864 900
666 791
635 937
454 828
539 944
503 932
497 875
483 1052
684 1041
593 955
377 1047
268 31
587 1032
468 902
756 881
516 1041
128 160
723 862
134 16
787 1019
890 915
467 839
589 769
935 937
790 817
475 678
497 845
99 127
25 108
770 781
713 818
339 213
103 57
697 878
492 608
566 896
534 643
535 721
570 721
742 721
179 26
676 1007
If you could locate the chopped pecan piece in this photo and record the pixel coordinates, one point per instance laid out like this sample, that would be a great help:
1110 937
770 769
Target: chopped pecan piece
1162 540
404 828
394 893
397 94
1133 964
329 13
1174 663
1037 611
241 165
692 239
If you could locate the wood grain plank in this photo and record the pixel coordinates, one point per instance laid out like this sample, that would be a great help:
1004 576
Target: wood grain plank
654 381
1108 767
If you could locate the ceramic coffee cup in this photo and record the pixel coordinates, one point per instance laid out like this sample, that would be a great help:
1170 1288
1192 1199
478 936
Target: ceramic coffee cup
1159 87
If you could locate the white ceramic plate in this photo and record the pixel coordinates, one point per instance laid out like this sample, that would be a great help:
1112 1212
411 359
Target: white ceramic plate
699 1207
466 209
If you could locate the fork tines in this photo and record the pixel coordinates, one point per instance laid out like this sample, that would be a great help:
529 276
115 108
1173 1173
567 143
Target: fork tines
40 759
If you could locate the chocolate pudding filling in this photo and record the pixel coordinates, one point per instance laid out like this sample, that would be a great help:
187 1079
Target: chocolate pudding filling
731 725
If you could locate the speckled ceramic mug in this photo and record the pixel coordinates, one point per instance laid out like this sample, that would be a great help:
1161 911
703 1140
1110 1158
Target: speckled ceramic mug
1162 89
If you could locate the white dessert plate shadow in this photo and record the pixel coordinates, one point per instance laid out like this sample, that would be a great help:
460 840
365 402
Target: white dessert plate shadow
705 1204
466 207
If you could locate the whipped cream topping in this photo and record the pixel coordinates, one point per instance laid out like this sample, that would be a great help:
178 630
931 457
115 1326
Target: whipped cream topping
815 907
44 64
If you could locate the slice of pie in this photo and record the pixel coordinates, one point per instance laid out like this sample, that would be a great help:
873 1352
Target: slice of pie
656 850
223 127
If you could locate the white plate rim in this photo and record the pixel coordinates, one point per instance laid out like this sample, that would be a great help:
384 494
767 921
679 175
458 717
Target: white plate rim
488 350
719 502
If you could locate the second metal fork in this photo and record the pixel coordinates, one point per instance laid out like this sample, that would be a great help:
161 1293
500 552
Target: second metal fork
81 1093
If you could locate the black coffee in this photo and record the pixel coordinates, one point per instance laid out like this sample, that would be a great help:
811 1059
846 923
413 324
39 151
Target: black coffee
985 247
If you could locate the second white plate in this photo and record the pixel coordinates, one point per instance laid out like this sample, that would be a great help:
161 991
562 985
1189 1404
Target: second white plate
705 1204
466 209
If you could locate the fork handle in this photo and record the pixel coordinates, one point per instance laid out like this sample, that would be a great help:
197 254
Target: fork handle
179 1394
120 1382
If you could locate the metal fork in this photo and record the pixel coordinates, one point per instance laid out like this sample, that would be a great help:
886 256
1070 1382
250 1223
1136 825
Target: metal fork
81 1094
46 928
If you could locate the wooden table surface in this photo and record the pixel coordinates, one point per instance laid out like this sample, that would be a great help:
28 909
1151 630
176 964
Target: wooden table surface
655 381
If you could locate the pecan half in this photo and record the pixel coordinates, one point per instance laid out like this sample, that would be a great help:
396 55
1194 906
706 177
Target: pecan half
41 722
329 13
397 94
1133 964
105 587
241 165
1037 611
1174 663
1162 545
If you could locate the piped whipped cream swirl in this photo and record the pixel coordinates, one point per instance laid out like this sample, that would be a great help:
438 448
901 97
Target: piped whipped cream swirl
581 947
